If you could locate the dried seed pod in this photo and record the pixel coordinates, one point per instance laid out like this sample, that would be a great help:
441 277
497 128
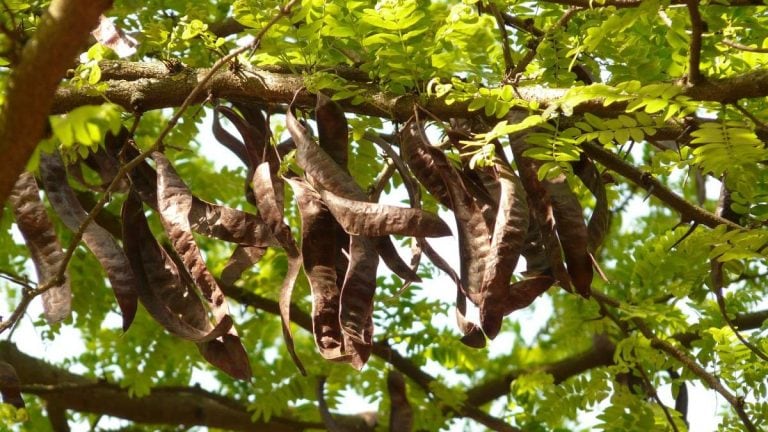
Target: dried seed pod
273 216
328 175
428 164
506 245
43 245
572 232
227 139
210 220
332 129
171 302
524 292
318 238
174 200
97 239
228 354
356 312
374 220
599 221
243 258
543 217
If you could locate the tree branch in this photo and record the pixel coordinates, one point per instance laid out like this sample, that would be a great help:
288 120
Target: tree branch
623 4
165 405
139 87
62 32
688 211
697 28
381 349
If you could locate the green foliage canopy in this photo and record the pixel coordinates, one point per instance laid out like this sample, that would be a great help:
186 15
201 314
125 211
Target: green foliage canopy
665 100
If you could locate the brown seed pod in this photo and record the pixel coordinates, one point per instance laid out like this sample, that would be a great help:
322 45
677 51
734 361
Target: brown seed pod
243 258
428 164
210 220
174 200
374 220
273 216
600 220
43 245
227 139
332 129
506 245
172 303
318 238
356 311
328 175
572 232
546 243
524 292
97 239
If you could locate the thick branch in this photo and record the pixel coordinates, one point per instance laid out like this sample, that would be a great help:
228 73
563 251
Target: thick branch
142 87
62 32
622 4
380 349
601 354
165 405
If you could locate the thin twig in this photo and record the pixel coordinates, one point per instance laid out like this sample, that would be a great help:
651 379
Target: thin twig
759 123
651 390
531 54
29 294
688 211
662 345
697 28
509 64
743 47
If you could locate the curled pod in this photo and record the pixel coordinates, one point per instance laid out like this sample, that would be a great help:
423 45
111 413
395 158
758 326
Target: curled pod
600 220
174 201
326 174
272 212
572 232
507 242
317 239
429 165
542 215
375 220
44 247
101 243
167 297
332 130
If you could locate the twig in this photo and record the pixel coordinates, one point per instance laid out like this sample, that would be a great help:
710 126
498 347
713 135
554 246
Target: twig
529 56
717 287
29 294
509 64
736 402
18 280
650 389
743 47
759 123
687 210
697 28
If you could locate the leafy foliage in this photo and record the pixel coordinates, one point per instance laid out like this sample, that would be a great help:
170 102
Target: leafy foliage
590 138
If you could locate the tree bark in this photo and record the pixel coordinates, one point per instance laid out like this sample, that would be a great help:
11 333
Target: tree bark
63 31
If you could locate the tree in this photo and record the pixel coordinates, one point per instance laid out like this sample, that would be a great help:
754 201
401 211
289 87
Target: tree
618 146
